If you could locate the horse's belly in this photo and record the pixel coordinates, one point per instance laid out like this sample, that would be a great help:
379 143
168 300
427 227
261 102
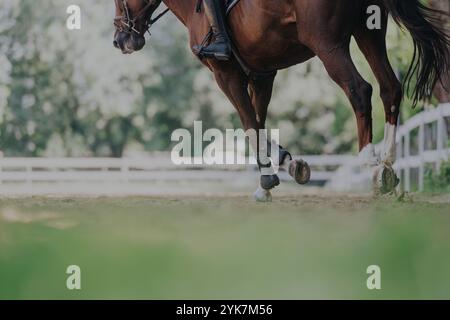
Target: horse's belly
277 60
267 39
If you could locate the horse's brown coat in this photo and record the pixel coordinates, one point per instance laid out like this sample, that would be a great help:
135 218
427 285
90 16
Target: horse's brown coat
276 34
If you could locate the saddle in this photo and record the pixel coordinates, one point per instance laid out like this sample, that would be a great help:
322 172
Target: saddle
229 5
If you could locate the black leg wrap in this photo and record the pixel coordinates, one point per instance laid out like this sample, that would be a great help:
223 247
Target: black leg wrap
269 182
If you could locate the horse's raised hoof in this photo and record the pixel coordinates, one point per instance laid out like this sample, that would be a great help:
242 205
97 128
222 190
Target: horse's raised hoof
389 180
300 171
262 195
269 182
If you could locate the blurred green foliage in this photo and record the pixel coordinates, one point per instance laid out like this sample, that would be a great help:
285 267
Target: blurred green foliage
437 182
70 93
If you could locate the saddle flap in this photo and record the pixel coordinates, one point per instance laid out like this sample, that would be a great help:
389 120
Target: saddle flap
229 5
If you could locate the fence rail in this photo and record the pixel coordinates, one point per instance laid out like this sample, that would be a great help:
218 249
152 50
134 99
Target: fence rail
153 168
426 136
159 167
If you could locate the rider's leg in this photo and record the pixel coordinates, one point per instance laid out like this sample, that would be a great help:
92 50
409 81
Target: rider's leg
260 90
220 48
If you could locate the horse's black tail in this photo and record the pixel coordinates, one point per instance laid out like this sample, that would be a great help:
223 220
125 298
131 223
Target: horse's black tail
431 44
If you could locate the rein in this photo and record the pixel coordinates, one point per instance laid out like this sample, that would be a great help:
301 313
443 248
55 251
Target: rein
126 23
159 16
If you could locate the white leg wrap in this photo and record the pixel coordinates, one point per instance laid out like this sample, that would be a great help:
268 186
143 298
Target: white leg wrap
388 155
367 156
262 151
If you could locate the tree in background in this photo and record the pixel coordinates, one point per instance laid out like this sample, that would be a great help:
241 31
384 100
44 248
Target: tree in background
70 93
36 86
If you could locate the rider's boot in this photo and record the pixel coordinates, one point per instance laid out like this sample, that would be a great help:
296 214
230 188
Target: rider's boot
220 48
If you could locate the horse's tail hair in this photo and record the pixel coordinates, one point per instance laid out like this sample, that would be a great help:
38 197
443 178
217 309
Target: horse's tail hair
431 57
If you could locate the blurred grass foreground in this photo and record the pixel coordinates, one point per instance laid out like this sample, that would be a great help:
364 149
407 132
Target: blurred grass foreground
188 248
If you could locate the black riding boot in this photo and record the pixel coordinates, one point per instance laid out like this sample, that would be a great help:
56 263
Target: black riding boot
220 48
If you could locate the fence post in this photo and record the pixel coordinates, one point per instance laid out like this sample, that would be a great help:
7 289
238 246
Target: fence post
407 168
421 151
29 170
441 138
399 153
125 169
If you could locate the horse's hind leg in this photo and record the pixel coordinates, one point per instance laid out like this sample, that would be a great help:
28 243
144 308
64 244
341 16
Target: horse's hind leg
342 70
235 85
373 44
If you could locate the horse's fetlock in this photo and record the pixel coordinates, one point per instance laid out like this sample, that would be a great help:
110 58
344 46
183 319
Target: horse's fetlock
392 96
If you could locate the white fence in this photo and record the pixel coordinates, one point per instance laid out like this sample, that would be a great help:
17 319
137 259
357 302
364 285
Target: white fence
158 167
152 175
422 142
428 129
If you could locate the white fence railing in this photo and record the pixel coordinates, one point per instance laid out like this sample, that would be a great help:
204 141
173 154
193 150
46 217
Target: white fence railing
430 131
429 128
153 168
422 141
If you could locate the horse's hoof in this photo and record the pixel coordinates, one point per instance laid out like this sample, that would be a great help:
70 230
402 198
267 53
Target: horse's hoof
269 182
300 171
389 180
262 195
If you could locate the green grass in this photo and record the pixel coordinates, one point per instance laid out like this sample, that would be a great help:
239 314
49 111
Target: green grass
224 248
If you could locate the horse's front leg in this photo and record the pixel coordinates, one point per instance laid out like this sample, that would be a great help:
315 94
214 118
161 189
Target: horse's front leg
234 84
260 90
261 93
268 171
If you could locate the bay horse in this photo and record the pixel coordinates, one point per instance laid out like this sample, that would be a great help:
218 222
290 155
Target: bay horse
270 35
